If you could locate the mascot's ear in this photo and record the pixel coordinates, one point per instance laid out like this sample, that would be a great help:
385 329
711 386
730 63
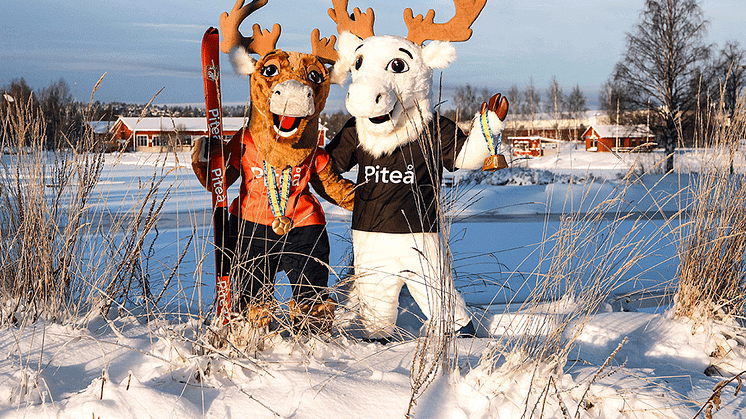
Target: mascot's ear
243 63
439 54
346 47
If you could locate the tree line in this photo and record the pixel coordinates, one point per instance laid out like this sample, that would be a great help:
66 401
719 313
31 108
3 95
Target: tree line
527 102
65 118
526 106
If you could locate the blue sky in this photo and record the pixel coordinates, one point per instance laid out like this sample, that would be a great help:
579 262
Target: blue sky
144 46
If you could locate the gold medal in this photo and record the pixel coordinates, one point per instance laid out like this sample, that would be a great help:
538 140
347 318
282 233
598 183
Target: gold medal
495 162
281 225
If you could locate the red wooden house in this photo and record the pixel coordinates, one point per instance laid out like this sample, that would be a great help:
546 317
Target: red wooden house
619 138
532 146
163 133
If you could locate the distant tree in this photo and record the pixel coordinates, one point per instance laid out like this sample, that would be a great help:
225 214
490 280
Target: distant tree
19 91
616 103
575 107
556 101
60 114
663 59
465 100
575 103
515 98
531 104
16 93
729 76
483 96
555 104
515 101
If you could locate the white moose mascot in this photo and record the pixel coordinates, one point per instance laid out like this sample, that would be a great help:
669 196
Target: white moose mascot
401 148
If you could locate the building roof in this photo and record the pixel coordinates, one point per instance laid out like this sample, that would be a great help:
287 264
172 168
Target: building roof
545 120
184 124
101 127
622 131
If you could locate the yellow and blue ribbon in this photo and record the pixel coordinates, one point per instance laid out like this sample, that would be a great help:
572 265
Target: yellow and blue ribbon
487 132
278 200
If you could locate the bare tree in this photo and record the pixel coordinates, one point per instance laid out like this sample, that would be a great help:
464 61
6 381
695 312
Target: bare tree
515 98
661 65
729 76
576 107
531 104
556 104
466 102
334 122
615 102
59 113
16 93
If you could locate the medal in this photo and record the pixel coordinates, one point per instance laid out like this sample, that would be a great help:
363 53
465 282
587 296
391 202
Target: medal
282 225
278 198
494 161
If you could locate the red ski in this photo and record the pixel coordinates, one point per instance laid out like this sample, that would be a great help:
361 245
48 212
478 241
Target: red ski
211 78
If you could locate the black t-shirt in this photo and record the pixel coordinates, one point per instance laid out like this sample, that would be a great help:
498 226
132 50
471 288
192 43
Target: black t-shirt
397 192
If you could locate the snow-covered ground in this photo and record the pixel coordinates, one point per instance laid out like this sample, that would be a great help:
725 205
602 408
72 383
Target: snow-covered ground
630 358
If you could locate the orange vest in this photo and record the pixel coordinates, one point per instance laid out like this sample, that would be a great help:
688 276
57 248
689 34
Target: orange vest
252 203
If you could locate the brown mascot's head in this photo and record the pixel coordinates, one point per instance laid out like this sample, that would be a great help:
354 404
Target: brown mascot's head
288 89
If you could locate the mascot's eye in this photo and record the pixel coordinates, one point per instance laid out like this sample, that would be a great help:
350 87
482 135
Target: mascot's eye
269 70
358 62
315 77
397 65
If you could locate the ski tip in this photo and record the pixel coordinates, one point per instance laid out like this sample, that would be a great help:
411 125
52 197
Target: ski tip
211 31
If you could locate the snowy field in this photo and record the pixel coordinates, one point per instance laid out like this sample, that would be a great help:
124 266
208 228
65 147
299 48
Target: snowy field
627 359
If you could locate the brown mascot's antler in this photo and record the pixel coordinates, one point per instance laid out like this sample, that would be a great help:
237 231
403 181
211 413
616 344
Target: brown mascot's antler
457 29
358 23
261 42
324 48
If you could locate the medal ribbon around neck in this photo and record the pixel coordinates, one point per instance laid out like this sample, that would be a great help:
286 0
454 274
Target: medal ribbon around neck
484 123
278 199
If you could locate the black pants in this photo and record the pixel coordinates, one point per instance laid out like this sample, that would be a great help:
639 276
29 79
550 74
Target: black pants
303 253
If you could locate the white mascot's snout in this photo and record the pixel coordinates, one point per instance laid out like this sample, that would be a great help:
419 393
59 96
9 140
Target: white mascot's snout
369 100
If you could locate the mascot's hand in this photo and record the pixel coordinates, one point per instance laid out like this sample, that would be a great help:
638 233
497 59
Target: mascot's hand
482 148
497 111
202 151
498 105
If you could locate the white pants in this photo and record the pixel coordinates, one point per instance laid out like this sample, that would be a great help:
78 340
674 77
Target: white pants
385 262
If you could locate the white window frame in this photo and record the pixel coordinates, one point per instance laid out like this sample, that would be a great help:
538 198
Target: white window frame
141 140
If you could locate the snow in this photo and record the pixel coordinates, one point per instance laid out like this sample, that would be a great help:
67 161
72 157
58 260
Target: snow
630 358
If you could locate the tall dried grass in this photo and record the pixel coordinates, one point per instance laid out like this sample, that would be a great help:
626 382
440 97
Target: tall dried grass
712 273
590 256
62 251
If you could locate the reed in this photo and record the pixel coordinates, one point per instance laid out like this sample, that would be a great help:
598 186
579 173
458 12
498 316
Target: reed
64 250
712 273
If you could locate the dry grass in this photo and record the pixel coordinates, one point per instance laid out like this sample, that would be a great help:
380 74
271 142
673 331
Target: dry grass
712 273
62 251
590 256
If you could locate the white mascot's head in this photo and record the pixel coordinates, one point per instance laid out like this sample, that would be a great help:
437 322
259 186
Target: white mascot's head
392 76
